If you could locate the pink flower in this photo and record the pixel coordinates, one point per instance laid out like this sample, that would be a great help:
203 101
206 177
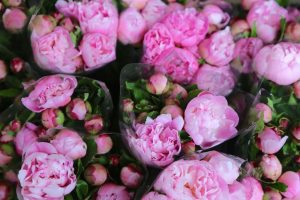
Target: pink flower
14 20
270 142
77 109
56 52
132 26
266 16
46 175
237 191
292 33
272 195
137 4
173 110
217 80
244 53
188 27
218 49
156 196
209 120
188 147
157 84
4 158
25 137
157 141
279 63
95 174
17 65
67 24
110 191
178 90
292 181
190 180
247 4
296 88
97 50
41 25
5 190
12 3
177 63
131 176
264 111
296 132
154 11
271 167
50 92
239 27
13 127
70 144
11 176
52 118
104 143
216 16
254 190
94 124
174 6
156 41
3 70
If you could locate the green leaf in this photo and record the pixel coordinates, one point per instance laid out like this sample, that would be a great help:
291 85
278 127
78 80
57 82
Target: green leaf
130 86
283 3
82 189
281 187
86 96
201 61
11 92
283 24
80 167
73 38
253 31
260 124
292 100
68 197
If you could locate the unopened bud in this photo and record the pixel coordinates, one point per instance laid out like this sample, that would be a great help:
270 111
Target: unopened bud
95 174
104 143
52 118
17 65
131 176
157 84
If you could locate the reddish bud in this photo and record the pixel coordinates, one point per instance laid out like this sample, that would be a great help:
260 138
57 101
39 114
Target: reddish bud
17 65
77 109
157 84
3 70
188 147
128 105
173 110
131 176
95 174
104 143
94 125
52 118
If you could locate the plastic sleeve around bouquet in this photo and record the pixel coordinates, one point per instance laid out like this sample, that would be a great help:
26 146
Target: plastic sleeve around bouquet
157 118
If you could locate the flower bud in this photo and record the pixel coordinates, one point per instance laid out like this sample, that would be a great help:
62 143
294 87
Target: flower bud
17 65
4 158
292 181
131 176
128 105
296 87
10 176
70 144
296 132
41 25
67 24
114 160
178 91
95 174
137 4
94 125
5 190
173 110
247 4
170 101
240 27
25 137
188 147
272 195
104 143
271 167
52 118
12 3
264 110
3 70
157 84
270 142
77 109
297 159
9 132
283 123
141 117
292 32
14 20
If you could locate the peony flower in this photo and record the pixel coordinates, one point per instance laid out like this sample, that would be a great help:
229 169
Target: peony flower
3 70
292 33
5 190
272 195
111 191
56 52
253 188
95 174
279 63
216 16
14 20
292 181
270 142
12 3
132 26
239 27
157 141
178 91
45 174
131 176
67 24
25 137
50 92
70 144
41 25
9 131
216 80
265 111
156 196
4 158
52 118
157 84
209 120
97 50
154 11
296 132
247 4
188 147
237 191
190 180
244 53
271 167
188 27
156 41
266 16
177 63
11 176
94 124
173 110
104 143
137 4
218 49
17 65
77 109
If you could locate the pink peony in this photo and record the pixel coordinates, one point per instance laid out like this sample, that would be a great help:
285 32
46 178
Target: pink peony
173 110
177 63
190 180
45 175
157 84
4 158
209 120
97 50
131 176
14 20
5 190
95 174
3 70
156 41
253 188
104 143
292 181
188 27
137 4
272 195
52 118
154 11
239 27
265 111
70 144
247 4
25 137
271 167
266 16
56 52
279 63
50 92
270 142
237 191
94 124
216 16
244 53
77 109
157 141
218 49
12 3
216 80
41 25
155 196
110 191
132 26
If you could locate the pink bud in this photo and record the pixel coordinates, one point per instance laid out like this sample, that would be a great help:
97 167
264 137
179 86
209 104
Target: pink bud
70 144
17 65
67 24
292 181
94 125
95 174
52 118
188 147
104 143
4 158
11 176
247 4
272 195
3 70
270 142
178 92
114 160
264 110
296 132
137 4
239 27
8 133
12 3
297 159
174 110
14 20
41 25
5 190
292 32
296 87
25 137
131 176
128 105
76 109
283 123
157 84
271 167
